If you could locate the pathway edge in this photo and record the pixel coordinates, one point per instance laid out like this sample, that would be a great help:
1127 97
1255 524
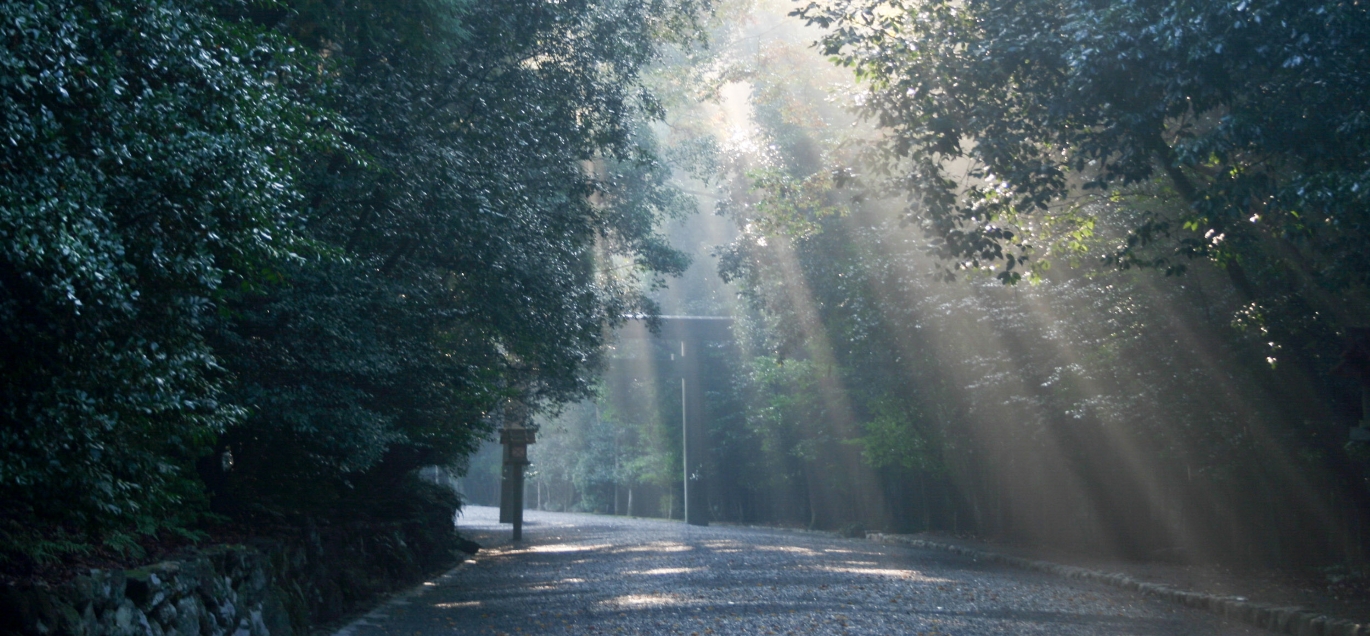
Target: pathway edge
382 610
1294 621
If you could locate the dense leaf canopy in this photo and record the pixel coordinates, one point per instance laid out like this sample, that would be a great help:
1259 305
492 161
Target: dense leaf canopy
147 169
310 245
489 179
1252 111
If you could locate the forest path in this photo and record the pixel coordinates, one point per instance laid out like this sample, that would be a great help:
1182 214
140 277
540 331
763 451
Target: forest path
586 574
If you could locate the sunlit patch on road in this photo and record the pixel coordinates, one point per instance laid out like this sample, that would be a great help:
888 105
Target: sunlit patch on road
643 600
911 575
457 605
791 549
664 571
658 546
566 547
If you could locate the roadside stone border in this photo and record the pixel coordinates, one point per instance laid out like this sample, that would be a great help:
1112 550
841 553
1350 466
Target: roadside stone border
226 591
1294 621
271 588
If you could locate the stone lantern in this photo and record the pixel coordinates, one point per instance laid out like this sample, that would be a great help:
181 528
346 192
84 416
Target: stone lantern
515 437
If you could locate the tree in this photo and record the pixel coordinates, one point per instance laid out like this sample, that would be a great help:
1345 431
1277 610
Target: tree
1252 112
498 211
1147 133
322 239
149 169
1093 408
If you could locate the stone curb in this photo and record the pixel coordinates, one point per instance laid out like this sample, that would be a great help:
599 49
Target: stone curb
1294 621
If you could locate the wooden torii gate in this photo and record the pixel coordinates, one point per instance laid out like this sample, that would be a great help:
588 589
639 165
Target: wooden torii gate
687 336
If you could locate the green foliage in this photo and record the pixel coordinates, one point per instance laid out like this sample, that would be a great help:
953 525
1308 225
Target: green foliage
1252 111
1011 409
1144 135
789 205
786 404
148 167
324 239
893 437
498 181
590 450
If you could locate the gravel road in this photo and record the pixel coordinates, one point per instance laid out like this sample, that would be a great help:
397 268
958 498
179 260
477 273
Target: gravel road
585 574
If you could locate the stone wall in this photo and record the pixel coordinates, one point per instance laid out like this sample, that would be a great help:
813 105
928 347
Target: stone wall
276 588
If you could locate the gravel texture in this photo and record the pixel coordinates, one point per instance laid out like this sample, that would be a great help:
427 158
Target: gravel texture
585 574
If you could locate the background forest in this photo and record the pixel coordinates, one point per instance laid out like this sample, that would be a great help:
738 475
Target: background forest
1077 275
1091 275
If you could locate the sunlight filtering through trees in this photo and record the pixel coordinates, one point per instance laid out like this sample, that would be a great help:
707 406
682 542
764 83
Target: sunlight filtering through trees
1158 383
1051 272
